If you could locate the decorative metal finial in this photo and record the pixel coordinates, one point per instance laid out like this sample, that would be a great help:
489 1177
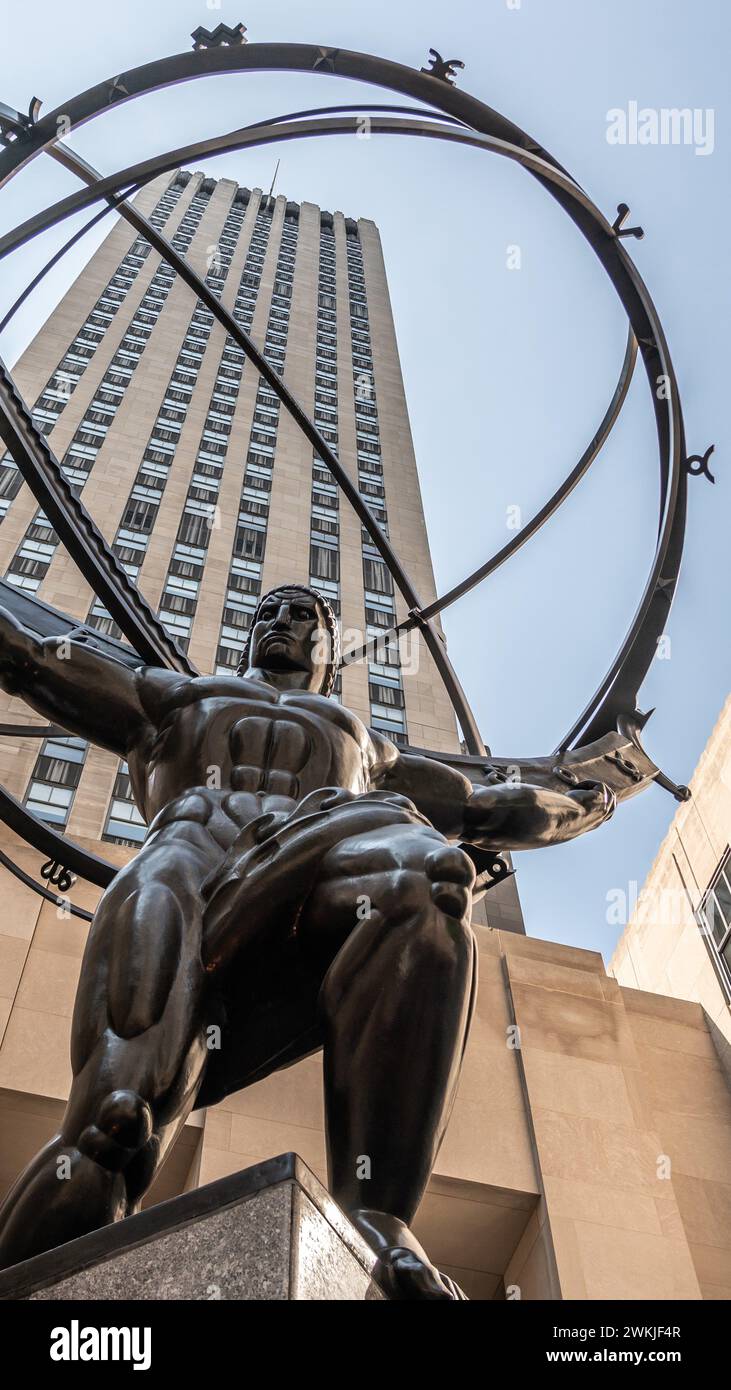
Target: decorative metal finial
58 875
14 125
701 461
618 226
223 36
444 69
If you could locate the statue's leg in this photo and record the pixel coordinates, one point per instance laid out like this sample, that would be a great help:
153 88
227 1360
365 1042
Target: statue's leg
396 1005
138 1050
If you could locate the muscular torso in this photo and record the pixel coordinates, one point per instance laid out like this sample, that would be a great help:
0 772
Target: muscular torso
252 747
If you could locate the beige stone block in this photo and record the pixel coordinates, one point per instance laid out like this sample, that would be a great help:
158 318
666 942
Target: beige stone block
295 1091
49 982
718 1197
636 1083
716 1292
218 1163
35 1053
712 1263
643 1003
631 1265
597 1090
572 1146
21 905
685 1084
532 1268
251 1135
13 951
574 1025
669 1215
489 1145
524 970
553 952
570 1264
698 1147
477 1235
26 1124
65 936
581 1200
217 1127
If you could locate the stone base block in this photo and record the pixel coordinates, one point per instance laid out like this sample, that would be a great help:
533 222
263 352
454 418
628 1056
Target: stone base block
271 1232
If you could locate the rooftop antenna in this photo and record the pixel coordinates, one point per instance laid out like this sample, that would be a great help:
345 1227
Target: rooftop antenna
271 190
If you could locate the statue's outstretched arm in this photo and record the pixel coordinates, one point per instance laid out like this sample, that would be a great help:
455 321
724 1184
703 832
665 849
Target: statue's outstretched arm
502 817
72 684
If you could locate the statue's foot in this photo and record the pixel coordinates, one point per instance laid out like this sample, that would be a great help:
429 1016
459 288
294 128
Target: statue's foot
404 1270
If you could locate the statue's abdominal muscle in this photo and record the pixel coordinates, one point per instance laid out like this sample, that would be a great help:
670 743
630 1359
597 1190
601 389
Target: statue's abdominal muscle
284 748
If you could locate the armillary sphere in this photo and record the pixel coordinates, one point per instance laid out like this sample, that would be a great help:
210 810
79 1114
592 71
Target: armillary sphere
604 741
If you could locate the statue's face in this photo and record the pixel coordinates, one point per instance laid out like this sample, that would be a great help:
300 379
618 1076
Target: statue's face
285 637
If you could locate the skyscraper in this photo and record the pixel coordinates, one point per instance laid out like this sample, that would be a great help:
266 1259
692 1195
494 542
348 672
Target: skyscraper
546 1185
204 486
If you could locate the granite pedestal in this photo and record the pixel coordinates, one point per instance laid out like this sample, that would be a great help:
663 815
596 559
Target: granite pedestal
271 1232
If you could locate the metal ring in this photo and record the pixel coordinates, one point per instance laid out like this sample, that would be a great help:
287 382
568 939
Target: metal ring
617 692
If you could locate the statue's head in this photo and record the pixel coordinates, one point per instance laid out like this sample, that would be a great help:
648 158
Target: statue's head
294 638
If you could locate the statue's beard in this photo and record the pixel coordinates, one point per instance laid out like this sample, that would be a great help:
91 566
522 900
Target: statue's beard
281 662
269 657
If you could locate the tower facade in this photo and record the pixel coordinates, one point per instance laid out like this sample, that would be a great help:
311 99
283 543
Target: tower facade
677 937
201 482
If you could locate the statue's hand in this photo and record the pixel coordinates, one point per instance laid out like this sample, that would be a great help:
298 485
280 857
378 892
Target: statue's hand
522 816
595 800
552 817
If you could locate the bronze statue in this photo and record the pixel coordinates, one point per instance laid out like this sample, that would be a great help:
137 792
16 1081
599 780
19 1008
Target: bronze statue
298 889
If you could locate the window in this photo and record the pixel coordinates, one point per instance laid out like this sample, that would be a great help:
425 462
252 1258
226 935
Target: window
324 521
139 516
10 480
235 618
101 619
124 825
174 602
227 656
376 577
249 543
390 694
714 916
384 717
55 778
324 563
29 566
195 528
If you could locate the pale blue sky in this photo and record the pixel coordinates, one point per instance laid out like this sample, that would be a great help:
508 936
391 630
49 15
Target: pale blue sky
532 355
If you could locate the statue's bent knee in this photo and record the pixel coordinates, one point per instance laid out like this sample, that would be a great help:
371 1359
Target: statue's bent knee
451 873
122 1128
449 862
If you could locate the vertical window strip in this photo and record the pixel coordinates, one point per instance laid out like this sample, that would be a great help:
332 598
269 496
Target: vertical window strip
243 586
385 683
58 390
28 571
143 503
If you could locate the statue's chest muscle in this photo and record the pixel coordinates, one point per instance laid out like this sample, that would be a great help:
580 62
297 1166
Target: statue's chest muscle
286 745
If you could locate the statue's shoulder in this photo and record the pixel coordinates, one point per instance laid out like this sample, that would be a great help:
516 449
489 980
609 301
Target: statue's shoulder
163 692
